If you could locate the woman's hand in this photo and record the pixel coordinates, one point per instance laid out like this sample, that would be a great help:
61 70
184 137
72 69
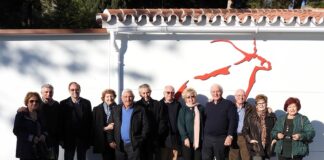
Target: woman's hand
296 136
112 145
253 141
35 139
42 138
186 142
110 126
280 136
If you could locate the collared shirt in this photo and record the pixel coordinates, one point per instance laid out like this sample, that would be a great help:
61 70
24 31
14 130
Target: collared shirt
126 122
107 111
241 114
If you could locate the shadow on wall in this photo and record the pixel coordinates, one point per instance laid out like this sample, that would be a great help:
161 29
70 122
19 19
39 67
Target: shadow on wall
251 101
31 61
201 99
318 141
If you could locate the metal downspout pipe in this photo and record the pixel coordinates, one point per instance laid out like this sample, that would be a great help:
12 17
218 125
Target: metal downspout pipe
115 50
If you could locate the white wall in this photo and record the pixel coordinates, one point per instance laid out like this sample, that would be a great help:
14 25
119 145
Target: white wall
28 62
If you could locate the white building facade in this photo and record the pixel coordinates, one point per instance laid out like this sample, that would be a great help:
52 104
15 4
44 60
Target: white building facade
274 52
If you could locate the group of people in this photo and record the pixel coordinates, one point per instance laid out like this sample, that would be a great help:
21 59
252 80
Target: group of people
149 129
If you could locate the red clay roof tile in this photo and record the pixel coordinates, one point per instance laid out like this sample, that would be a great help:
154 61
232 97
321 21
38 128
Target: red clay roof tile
285 16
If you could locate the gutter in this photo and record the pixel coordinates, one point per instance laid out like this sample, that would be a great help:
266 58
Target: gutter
211 30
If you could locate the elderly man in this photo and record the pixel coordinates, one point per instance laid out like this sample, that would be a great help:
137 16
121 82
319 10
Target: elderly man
49 112
171 139
238 150
157 119
220 125
130 128
76 123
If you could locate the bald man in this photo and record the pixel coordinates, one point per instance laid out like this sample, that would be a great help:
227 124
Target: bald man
238 149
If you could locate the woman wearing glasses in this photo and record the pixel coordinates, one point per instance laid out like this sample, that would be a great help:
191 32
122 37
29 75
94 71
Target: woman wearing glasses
190 126
29 131
257 129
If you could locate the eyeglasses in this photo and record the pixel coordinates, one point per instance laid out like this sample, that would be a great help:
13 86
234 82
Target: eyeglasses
33 101
261 103
168 92
188 97
74 90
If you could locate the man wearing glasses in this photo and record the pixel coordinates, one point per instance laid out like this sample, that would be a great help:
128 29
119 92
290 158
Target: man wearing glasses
171 140
76 124
239 148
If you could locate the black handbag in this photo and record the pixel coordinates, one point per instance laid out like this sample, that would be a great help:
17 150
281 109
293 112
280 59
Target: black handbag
41 150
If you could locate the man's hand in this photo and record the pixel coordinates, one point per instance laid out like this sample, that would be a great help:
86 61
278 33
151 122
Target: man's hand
22 109
228 141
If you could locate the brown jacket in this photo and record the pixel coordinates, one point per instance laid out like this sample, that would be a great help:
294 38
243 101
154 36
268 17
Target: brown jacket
252 131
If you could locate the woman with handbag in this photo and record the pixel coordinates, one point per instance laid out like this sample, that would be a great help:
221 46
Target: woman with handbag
30 134
293 132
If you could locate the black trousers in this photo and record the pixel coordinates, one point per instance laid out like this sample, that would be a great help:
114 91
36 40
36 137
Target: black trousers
214 147
108 154
294 158
80 148
190 153
128 153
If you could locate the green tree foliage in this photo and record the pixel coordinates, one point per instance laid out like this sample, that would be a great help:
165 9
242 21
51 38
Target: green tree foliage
81 13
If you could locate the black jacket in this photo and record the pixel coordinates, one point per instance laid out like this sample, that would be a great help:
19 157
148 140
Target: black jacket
75 122
157 119
100 140
50 115
172 138
139 126
26 129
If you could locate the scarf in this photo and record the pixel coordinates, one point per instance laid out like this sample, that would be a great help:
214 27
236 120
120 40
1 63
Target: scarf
196 125
262 116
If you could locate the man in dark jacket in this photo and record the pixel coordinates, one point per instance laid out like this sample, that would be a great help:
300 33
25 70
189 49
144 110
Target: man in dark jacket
171 140
76 124
49 114
157 119
130 128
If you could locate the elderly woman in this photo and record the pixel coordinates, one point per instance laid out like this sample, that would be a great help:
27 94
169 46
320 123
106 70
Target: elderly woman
101 114
293 132
257 129
29 131
190 122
